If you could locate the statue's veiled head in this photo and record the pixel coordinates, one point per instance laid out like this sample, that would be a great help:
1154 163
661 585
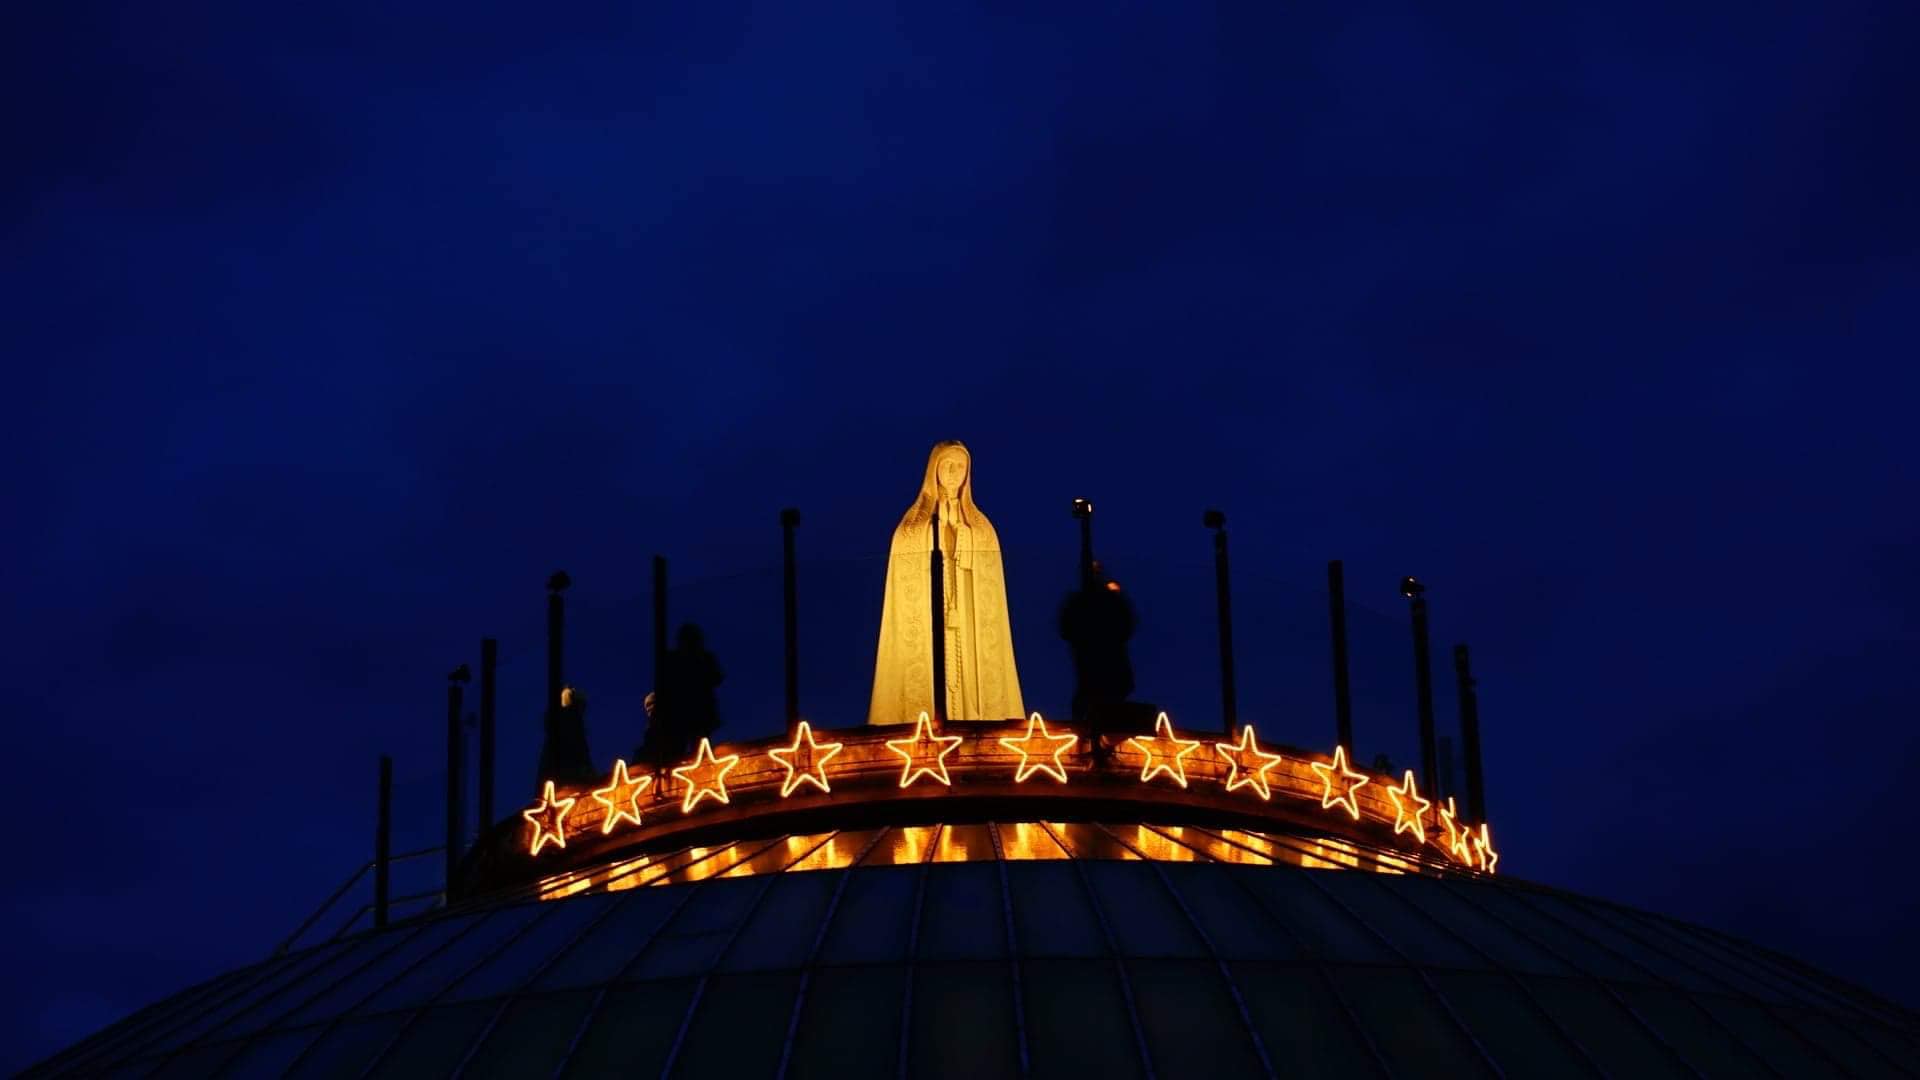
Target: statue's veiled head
949 472
948 483
952 471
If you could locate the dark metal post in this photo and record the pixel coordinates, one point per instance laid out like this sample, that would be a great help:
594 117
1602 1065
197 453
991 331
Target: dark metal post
1423 682
1229 709
1342 691
1470 734
489 663
939 628
1083 510
556 636
1089 716
662 715
383 844
789 521
456 787
659 625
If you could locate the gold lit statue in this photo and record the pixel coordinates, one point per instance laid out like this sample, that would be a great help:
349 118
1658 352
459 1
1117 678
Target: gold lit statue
981 681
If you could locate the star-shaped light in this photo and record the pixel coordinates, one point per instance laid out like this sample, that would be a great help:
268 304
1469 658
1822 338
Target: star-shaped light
621 797
1329 773
711 779
1248 763
1409 808
1458 836
1039 751
805 761
549 820
1483 847
925 752
1164 752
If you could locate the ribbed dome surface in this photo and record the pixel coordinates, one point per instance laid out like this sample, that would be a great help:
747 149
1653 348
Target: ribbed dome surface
1053 968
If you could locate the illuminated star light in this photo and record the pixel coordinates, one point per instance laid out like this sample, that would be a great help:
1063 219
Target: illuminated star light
1039 751
815 755
549 821
621 797
713 782
1346 798
920 747
1402 820
1483 847
1156 750
1458 836
1243 774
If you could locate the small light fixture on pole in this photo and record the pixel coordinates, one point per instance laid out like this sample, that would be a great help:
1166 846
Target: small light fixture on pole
1083 512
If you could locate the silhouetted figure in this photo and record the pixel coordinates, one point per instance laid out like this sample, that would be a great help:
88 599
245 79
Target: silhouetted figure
564 757
1096 621
685 708
659 746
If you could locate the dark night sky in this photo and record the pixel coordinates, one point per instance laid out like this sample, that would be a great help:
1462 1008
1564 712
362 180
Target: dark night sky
330 333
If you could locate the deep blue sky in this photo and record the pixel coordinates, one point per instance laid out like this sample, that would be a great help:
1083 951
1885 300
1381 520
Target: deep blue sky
330 332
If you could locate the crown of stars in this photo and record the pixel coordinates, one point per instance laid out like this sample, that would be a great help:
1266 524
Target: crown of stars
1039 751
549 821
925 753
1409 808
1248 765
924 750
621 797
805 761
705 776
1338 769
1164 752
1458 836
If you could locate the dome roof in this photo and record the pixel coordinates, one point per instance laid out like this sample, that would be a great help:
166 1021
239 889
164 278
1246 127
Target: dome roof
1022 962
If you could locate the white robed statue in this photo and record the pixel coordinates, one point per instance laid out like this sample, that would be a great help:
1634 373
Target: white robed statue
981 681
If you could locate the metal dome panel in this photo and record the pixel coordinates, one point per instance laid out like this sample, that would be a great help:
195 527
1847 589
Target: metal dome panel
1063 966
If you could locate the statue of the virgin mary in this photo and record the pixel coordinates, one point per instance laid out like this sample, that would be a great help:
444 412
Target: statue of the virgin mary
981 681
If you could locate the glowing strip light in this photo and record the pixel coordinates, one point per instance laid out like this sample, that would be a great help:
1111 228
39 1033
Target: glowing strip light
713 782
1402 820
549 821
1328 800
917 748
621 797
1158 758
1046 758
815 755
1242 774
1483 846
1457 835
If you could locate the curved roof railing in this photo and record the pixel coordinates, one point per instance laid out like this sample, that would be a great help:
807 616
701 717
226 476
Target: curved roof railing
870 776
